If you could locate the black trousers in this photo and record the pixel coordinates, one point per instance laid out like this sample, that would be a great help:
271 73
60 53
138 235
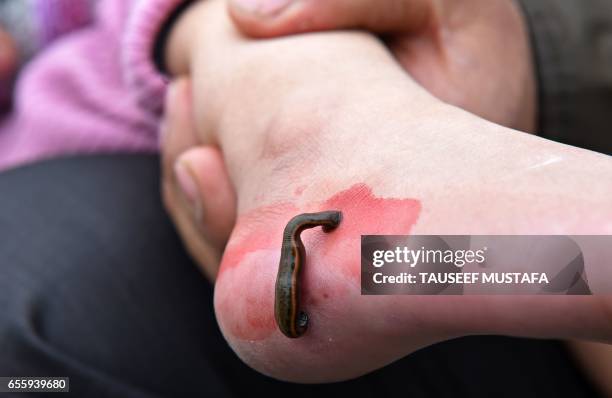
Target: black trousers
95 285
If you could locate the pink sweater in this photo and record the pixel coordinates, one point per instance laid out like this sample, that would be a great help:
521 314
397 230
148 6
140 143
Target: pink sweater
92 91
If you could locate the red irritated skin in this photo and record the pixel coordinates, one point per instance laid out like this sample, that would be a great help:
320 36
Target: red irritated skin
329 285
349 334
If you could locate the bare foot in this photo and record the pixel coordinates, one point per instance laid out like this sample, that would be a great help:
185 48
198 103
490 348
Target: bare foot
305 126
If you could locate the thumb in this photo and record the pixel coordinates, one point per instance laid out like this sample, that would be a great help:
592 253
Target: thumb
201 203
203 179
195 172
269 18
196 188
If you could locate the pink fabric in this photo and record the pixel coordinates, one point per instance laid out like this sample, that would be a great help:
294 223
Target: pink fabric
144 22
86 93
53 19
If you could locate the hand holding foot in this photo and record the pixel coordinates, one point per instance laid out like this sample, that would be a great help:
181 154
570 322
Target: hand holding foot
319 129
474 54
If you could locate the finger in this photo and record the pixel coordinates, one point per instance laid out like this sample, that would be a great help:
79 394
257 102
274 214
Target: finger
202 251
200 203
196 174
177 135
203 179
177 130
268 18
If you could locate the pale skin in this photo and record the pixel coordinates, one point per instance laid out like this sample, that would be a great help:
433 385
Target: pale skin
432 40
285 136
447 46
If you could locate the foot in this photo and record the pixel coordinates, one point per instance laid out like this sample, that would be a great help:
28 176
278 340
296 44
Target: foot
305 126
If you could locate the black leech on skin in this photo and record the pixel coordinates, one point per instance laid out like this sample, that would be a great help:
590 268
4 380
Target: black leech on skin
291 321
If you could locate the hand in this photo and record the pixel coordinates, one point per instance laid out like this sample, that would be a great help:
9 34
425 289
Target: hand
305 126
474 54
195 187
447 46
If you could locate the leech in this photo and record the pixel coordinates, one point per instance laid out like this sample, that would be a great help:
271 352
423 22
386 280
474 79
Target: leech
290 319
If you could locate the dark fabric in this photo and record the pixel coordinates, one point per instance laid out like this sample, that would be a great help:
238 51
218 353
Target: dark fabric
95 285
572 42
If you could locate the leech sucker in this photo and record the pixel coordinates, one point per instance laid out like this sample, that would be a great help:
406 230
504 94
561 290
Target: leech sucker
290 319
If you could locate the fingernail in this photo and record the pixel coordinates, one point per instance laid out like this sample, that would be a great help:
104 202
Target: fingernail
262 7
188 186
